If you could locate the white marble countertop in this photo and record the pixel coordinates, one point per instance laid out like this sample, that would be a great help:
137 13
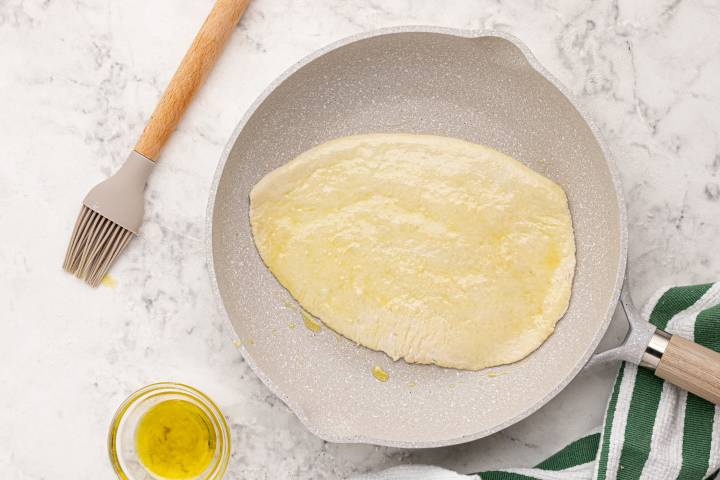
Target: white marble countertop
80 77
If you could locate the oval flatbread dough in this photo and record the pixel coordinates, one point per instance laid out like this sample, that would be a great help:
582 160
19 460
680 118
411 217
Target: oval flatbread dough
428 248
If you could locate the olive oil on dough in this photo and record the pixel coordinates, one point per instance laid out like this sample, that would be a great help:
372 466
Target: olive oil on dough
430 249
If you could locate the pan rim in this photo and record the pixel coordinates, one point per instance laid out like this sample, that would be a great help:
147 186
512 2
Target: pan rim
622 260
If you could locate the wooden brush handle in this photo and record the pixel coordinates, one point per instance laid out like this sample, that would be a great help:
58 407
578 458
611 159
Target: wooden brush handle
191 73
692 367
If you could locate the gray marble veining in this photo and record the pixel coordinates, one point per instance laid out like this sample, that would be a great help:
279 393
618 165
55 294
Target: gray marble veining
80 77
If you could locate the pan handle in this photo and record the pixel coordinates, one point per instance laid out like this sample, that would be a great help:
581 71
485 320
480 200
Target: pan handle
673 358
688 365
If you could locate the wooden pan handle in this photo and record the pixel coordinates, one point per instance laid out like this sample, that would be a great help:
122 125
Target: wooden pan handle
692 367
191 73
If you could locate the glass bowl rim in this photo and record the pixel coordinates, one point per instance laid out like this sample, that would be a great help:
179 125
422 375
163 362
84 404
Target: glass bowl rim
223 434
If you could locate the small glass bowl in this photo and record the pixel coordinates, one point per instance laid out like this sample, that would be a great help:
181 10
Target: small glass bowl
121 441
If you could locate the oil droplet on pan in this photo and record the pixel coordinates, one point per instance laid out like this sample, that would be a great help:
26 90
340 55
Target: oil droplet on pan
311 324
109 281
237 342
496 374
289 305
380 374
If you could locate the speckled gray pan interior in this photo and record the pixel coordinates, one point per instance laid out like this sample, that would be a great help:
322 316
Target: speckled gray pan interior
485 88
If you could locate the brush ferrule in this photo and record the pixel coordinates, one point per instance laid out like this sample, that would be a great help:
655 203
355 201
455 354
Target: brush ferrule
136 169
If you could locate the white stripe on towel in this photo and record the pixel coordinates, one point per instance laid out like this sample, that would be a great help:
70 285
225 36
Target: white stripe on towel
617 433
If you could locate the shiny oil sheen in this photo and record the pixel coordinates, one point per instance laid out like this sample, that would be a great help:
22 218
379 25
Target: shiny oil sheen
175 439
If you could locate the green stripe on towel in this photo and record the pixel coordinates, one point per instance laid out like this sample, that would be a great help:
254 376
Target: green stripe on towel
707 328
674 301
500 475
607 432
697 438
579 452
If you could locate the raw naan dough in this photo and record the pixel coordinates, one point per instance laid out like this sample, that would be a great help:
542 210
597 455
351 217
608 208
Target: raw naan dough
427 248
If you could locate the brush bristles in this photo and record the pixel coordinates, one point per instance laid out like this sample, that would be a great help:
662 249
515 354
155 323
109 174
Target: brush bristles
95 244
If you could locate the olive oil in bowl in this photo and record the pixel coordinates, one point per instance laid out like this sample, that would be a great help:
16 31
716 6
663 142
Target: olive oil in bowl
175 439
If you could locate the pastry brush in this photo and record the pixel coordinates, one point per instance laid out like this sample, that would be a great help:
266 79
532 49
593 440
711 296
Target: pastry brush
112 212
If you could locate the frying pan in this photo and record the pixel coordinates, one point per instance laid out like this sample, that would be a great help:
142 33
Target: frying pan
486 88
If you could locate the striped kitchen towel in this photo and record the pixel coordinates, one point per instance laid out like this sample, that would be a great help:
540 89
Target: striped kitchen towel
652 430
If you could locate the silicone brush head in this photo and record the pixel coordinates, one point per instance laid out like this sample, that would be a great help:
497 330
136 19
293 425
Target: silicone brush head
94 245
110 216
